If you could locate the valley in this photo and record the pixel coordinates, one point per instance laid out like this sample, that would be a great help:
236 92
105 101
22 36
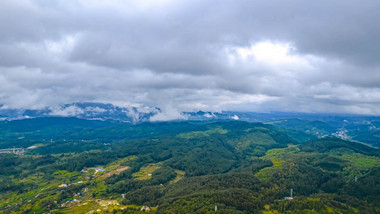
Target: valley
182 167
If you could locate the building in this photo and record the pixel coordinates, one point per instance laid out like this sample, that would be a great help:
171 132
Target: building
145 209
17 151
291 195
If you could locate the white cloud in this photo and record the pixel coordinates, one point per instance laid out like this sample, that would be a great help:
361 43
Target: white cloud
195 55
95 109
209 115
235 117
64 45
69 111
168 113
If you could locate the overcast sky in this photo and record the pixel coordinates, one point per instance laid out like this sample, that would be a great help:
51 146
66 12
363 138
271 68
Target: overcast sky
185 55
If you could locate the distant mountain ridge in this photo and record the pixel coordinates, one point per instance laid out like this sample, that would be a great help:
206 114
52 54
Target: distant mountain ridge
87 110
365 129
106 111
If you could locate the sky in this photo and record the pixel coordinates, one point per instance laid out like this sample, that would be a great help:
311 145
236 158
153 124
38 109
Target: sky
189 55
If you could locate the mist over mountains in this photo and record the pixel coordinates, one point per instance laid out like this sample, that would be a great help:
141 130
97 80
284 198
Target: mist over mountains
96 111
359 128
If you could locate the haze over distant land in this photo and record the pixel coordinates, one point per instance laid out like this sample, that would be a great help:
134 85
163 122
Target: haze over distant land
298 56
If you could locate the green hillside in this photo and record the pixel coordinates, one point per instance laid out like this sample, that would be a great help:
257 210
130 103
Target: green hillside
79 166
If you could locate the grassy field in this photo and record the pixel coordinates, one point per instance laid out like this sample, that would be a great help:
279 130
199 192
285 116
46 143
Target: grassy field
361 161
145 172
264 174
117 167
358 164
275 155
118 163
180 175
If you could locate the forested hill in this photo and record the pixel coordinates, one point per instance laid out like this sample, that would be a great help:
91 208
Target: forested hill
361 128
79 166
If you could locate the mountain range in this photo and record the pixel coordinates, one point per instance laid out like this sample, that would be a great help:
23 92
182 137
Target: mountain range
360 128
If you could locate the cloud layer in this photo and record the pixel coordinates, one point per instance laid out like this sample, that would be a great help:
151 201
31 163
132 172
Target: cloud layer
192 55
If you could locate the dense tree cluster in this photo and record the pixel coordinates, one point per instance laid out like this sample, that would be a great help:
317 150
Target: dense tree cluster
238 167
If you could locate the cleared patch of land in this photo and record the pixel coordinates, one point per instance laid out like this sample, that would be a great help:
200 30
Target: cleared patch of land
116 171
358 164
180 175
145 172
276 156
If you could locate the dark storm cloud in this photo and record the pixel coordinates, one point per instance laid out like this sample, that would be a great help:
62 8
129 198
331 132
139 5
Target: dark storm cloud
187 55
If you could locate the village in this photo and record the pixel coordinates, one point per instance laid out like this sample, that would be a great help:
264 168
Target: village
16 151
83 200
